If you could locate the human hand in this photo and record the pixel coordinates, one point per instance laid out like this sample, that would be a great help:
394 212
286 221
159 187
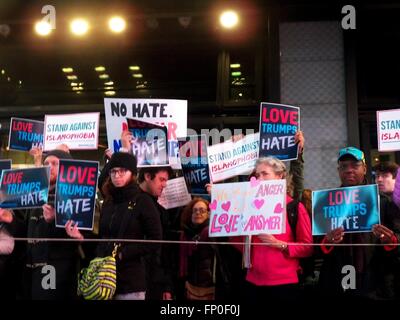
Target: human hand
335 235
272 241
49 213
383 233
126 140
36 153
299 138
72 230
167 296
6 216
108 153
208 187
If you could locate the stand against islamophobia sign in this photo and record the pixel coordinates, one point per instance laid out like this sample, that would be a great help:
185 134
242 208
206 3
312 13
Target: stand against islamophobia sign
76 193
163 112
24 188
230 158
356 209
278 125
388 127
247 208
25 134
79 131
149 144
194 162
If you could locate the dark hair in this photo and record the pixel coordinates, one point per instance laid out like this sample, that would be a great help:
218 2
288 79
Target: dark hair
186 216
153 171
387 167
108 187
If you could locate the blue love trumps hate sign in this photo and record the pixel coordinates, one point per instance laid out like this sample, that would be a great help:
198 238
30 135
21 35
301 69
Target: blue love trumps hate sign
356 209
25 134
278 125
76 193
24 188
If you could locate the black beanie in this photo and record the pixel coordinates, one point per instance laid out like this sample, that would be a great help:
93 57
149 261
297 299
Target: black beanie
57 153
123 160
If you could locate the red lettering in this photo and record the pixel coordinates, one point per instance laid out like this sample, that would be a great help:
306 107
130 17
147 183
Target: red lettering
348 196
172 126
78 174
12 177
280 115
22 126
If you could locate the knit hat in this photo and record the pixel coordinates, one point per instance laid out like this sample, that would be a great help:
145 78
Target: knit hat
57 153
123 160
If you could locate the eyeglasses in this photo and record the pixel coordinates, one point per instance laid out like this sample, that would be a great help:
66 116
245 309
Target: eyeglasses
352 165
120 171
200 210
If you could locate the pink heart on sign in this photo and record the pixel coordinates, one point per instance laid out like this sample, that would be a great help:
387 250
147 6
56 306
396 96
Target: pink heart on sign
258 203
225 206
278 208
254 182
213 205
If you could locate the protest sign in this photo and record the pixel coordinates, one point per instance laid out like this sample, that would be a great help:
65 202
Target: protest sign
25 134
278 125
24 188
388 128
79 131
76 193
356 209
163 112
230 158
149 144
247 208
194 162
175 194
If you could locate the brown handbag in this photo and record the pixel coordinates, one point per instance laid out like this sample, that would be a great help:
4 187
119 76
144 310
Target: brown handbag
199 293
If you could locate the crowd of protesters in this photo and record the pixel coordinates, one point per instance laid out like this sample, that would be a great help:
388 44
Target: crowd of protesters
188 270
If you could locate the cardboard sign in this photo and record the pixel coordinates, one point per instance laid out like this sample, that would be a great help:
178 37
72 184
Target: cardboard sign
25 134
24 188
356 209
76 193
230 158
278 125
149 144
175 194
163 112
247 208
79 131
388 128
194 162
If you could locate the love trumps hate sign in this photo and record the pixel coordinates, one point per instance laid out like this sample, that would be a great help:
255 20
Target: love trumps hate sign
356 209
247 208
278 125
76 192
25 134
24 188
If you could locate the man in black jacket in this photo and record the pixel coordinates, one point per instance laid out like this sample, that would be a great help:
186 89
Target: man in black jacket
152 180
374 264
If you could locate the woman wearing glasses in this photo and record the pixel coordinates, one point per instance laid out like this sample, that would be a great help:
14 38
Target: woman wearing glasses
127 213
197 261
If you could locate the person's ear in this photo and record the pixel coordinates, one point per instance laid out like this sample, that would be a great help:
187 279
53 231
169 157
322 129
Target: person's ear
147 176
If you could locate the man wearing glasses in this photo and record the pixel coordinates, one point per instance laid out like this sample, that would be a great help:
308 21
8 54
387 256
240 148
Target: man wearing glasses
372 254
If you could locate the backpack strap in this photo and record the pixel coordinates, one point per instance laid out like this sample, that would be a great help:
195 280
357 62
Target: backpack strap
126 218
292 210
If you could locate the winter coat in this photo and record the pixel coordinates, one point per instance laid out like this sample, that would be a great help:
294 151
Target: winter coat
131 214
